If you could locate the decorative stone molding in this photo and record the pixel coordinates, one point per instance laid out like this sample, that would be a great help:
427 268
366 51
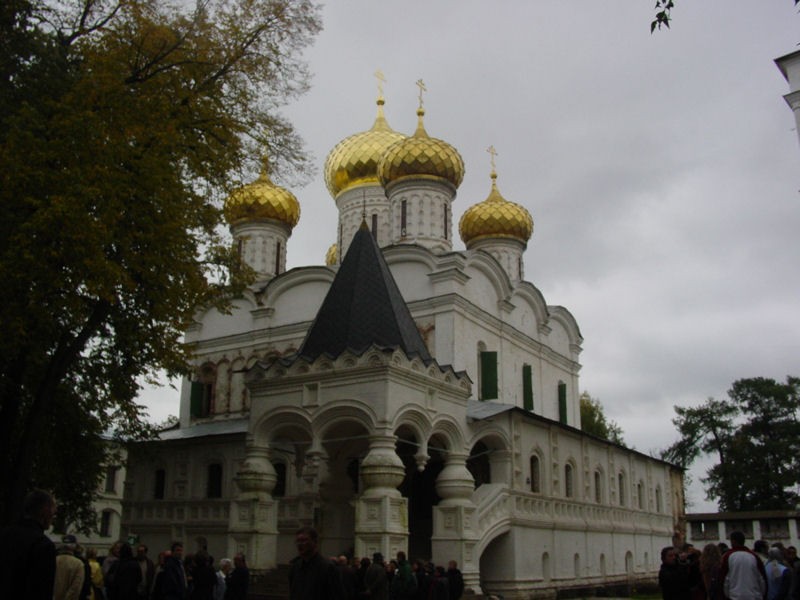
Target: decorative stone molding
372 358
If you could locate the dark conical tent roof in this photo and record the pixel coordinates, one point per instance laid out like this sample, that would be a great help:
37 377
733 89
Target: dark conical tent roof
363 308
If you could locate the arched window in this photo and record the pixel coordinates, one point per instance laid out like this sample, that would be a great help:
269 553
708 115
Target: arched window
621 488
562 402
598 487
487 373
280 484
527 387
568 487
159 484
203 391
214 481
546 567
640 495
106 522
659 506
111 479
536 476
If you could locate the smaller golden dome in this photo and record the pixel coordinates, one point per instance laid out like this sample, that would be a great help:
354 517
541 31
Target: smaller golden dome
332 255
262 199
421 156
354 160
495 217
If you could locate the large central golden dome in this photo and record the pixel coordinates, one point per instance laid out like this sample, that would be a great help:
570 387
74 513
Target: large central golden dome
495 217
354 160
421 156
262 199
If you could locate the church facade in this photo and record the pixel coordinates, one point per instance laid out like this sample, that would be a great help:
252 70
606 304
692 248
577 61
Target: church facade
404 396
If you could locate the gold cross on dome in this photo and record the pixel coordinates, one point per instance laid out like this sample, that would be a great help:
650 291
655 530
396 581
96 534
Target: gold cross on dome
493 154
381 80
422 88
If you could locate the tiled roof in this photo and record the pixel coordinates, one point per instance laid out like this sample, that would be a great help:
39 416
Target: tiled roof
363 307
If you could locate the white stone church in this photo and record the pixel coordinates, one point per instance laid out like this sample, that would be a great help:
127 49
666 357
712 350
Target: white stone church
407 395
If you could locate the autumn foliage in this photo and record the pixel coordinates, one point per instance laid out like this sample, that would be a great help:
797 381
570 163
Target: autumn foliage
122 126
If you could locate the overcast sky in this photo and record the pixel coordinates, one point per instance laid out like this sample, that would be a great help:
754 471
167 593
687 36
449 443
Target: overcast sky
661 172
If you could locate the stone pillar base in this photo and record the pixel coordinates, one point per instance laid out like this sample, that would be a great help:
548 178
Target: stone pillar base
381 526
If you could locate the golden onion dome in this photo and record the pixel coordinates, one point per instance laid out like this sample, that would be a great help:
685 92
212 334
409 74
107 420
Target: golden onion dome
495 217
421 156
262 199
332 255
354 160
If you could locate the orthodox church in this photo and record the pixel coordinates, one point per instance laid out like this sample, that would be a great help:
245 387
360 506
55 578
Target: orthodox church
407 396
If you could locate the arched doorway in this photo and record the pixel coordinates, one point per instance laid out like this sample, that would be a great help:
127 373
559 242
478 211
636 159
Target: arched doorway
419 487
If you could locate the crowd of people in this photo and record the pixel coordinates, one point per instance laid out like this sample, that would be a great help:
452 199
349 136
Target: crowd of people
735 572
125 576
35 569
314 577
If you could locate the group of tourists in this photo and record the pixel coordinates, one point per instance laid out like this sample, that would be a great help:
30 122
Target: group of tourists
720 572
314 577
34 569
175 576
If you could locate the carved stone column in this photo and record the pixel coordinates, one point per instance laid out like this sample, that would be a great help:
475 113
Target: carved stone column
336 497
455 526
381 511
253 520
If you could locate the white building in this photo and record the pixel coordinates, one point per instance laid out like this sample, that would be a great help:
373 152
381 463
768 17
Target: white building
407 395
107 505
772 526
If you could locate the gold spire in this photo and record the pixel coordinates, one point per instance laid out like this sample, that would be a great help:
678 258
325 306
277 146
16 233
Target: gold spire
493 153
421 85
495 217
381 80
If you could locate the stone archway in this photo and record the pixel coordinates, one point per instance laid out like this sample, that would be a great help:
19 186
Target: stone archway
345 444
419 487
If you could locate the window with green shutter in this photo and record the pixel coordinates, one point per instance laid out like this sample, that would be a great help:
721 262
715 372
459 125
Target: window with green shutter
197 396
562 402
488 375
527 387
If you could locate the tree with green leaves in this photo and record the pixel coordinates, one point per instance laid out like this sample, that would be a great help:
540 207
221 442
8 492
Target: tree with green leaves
595 422
123 125
755 436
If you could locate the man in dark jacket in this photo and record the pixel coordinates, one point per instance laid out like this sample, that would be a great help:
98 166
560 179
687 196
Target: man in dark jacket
375 581
172 583
456 580
673 578
312 577
27 556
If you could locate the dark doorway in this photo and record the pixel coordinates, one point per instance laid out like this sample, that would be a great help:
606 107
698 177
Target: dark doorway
478 464
420 490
